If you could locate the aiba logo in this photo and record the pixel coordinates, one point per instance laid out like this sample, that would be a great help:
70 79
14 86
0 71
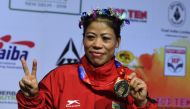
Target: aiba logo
176 13
9 50
69 55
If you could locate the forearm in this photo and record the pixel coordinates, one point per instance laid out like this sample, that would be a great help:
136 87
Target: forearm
141 103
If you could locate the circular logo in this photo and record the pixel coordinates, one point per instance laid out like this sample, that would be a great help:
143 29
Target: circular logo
125 57
176 13
175 64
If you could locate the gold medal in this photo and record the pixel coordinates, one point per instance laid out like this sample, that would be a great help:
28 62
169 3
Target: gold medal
121 88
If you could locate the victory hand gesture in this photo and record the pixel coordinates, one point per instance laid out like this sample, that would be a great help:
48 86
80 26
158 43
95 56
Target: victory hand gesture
28 84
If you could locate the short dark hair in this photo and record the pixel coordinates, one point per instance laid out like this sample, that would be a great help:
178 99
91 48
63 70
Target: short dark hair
110 21
114 18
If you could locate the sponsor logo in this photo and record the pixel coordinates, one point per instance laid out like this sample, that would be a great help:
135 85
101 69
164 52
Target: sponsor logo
176 13
137 15
12 51
69 54
169 103
73 103
7 97
175 61
177 18
127 59
175 64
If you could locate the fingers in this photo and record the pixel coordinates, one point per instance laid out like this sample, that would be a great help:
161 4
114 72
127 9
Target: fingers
138 84
29 84
131 76
26 83
23 88
25 67
138 89
34 68
135 82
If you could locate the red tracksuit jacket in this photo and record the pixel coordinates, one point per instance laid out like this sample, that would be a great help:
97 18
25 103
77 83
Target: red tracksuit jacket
63 89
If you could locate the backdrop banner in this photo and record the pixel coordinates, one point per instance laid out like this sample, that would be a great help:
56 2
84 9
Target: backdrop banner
156 44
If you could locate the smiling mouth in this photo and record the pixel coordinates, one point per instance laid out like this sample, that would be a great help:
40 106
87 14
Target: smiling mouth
96 54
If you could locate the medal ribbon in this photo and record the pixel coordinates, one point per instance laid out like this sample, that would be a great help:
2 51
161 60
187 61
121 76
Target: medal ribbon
110 86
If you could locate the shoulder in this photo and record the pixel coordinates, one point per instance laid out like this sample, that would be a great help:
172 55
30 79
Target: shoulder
62 71
57 78
64 67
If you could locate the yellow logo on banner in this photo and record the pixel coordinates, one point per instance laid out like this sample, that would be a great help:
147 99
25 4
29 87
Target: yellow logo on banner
125 57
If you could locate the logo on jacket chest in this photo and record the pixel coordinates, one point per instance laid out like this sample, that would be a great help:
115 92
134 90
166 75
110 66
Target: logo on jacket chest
73 103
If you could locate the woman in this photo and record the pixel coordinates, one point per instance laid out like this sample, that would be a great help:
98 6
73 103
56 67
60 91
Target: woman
97 82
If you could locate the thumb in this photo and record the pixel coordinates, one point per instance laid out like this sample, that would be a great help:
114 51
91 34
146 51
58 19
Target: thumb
131 76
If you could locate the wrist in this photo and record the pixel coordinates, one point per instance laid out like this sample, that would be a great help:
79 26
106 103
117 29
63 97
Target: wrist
141 103
29 95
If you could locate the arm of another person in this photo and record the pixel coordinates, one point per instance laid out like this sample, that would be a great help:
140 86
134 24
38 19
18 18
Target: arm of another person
30 95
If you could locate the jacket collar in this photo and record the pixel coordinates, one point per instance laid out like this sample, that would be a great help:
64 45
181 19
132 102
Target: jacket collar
102 75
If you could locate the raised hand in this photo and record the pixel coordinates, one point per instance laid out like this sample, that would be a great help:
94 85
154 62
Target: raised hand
28 84
138 89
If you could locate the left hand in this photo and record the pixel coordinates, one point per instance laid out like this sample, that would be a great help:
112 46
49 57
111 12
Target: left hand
138 89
